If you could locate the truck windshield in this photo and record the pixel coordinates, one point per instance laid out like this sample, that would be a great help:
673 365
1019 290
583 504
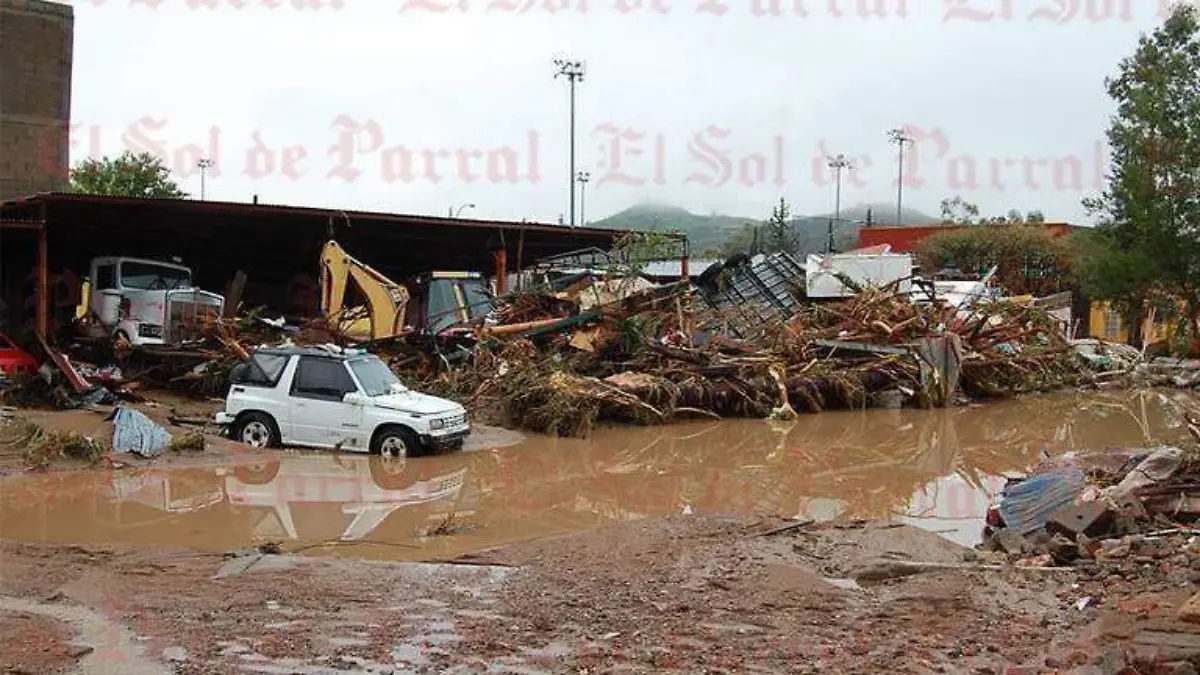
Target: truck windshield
151 277
374 376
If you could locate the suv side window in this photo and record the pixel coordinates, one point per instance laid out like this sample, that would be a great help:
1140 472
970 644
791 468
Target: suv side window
322 379
262 370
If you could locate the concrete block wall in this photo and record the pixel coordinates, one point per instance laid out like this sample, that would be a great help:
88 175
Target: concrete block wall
36 54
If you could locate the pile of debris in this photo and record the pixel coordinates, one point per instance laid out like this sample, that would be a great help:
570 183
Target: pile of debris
610 346
650 355
1076 509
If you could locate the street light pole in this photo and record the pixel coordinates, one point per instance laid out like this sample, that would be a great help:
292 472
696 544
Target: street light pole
900 137
837 164
583 177
571 69
205 164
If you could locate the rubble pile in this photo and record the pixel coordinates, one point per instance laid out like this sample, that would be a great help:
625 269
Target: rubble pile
1079 509
612 346
654 355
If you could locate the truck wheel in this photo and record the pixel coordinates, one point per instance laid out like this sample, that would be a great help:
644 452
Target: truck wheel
256 430
395 442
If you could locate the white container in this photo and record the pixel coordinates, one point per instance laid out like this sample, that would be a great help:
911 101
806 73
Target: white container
821 280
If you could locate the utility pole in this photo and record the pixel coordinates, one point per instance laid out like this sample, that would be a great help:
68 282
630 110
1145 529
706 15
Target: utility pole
837 164
205 164
583 177
571 69
900 137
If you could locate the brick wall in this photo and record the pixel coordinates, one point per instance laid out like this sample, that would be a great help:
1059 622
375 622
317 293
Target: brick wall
36 45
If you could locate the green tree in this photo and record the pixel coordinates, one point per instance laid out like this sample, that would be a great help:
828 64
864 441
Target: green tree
1028 259
1148 215
958 211
779 233
129 175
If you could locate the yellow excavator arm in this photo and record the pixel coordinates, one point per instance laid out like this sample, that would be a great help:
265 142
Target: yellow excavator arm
386 299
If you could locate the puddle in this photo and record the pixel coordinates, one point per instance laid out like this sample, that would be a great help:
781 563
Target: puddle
935 469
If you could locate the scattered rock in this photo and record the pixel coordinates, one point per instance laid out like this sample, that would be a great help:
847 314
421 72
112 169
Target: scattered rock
1012 542
1115 552
1190 611
81 651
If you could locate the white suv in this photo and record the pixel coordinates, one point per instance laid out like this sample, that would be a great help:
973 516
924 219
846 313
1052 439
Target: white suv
326 398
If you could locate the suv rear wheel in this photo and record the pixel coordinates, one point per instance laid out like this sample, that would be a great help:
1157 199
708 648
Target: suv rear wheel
257 430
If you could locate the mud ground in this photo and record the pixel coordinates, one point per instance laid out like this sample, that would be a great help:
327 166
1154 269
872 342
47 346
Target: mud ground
682 594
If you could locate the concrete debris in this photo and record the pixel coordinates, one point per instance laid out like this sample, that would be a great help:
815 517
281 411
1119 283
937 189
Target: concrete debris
1059 512
1190 611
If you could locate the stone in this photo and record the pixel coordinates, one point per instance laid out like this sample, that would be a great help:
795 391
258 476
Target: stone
1116 552
1012 542
1180 668
1091 518
1190 611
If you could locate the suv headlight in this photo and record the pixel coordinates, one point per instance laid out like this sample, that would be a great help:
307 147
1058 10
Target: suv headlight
436 424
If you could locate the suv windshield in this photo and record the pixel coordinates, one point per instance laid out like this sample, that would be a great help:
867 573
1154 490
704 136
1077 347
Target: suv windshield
374 376
151 277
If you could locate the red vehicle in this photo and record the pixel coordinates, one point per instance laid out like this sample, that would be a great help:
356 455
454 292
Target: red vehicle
14 360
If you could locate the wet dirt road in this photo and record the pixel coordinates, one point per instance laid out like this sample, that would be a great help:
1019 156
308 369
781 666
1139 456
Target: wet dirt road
934 469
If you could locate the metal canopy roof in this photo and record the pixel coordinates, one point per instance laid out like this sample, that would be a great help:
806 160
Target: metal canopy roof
273 243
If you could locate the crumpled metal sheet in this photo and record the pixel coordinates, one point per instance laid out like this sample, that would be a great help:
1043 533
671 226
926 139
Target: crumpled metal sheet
136 433
1027 505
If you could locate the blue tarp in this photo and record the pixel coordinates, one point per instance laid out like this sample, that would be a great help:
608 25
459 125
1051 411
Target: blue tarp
1027 505
134 432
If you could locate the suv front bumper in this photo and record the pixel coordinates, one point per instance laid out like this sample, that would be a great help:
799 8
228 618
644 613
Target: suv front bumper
224 419
442 441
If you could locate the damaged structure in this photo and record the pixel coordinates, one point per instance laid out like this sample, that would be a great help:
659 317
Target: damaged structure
50 240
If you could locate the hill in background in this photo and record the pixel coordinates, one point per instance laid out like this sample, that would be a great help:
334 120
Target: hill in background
713 231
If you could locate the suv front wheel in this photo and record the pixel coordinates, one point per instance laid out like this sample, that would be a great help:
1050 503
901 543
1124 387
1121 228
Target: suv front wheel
396 442
257 430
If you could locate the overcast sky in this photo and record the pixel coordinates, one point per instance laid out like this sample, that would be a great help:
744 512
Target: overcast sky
711 105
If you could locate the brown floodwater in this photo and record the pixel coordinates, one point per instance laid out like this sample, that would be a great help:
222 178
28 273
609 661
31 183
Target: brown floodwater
936 469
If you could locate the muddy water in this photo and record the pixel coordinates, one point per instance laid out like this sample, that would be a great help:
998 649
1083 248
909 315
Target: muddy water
936 469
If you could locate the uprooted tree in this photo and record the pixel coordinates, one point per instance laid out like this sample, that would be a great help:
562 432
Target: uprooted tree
128 175
1028 259
1146 246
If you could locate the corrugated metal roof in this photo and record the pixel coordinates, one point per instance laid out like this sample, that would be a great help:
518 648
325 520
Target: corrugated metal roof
251 209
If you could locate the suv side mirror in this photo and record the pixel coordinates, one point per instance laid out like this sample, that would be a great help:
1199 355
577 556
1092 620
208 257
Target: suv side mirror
353 398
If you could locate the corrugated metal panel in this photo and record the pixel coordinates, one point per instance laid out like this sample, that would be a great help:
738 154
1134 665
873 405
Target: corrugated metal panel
763 291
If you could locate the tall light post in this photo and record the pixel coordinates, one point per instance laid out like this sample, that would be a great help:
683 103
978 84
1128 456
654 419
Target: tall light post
571 69
454 213
837 164
900 137
583 177
205 164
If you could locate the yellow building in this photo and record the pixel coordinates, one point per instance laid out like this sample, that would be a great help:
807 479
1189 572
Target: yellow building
1105 323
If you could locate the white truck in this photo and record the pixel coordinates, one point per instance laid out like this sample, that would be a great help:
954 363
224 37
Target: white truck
146 302
330 398
822 280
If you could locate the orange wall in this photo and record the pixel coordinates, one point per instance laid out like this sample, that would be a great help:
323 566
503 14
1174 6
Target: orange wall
906 239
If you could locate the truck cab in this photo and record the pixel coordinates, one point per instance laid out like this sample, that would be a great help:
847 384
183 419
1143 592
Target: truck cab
146 302
339 399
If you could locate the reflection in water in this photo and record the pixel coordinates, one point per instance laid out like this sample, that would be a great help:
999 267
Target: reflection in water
937 469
